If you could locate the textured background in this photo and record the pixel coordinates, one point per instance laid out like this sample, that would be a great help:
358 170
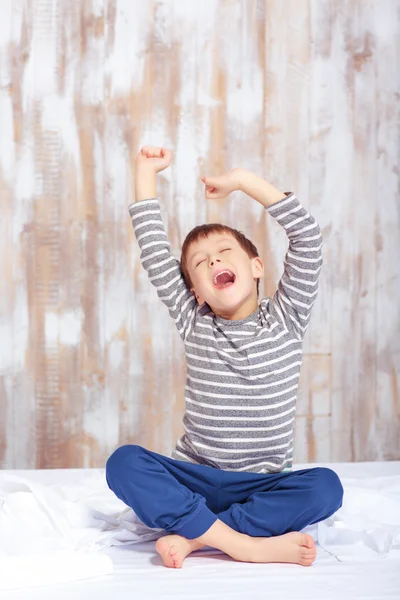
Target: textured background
303 92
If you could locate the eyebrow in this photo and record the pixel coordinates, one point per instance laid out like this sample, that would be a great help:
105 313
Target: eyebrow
199 251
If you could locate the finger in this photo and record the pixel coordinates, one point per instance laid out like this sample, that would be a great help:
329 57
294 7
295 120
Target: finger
211 182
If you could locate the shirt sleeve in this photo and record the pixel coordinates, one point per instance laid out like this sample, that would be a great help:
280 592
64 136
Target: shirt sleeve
298 286
163 269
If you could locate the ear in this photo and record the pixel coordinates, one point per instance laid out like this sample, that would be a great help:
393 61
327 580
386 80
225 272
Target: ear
199 299
257 267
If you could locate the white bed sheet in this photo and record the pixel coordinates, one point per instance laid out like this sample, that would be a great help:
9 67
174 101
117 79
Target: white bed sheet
363 539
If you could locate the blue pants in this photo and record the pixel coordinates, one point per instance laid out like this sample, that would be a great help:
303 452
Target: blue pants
186 498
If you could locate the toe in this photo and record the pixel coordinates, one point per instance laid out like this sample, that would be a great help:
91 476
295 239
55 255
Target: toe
306 561
308 541
173 557
308 554
178 563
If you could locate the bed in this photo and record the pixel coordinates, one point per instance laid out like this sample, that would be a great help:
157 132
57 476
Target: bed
63 534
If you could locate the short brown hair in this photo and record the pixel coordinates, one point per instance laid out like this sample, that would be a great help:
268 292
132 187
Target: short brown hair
203 231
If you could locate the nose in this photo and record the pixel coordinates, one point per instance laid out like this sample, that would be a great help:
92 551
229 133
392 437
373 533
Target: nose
213 261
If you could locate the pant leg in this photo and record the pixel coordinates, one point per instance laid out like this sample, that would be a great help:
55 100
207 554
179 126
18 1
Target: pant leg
280 502
165 493
186 498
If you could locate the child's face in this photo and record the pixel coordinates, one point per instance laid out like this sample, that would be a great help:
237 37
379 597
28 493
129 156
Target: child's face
216 252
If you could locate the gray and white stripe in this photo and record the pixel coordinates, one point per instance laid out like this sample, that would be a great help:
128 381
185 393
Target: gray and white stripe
242 376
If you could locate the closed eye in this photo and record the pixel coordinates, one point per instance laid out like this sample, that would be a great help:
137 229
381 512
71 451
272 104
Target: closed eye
205 259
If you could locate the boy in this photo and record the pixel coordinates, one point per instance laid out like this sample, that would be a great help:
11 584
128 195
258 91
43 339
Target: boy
229 483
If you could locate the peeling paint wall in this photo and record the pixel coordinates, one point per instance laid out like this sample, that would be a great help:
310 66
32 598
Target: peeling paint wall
303 92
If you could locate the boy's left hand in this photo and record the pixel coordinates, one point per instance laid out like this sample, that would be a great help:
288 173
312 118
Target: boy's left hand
222 185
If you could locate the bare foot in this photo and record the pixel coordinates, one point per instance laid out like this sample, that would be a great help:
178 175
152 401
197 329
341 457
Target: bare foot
173 549
293 547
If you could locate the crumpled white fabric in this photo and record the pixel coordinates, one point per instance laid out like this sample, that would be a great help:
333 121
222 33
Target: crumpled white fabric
367 525
52 533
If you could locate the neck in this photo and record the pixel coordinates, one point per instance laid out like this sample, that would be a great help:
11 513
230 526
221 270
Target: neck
242 312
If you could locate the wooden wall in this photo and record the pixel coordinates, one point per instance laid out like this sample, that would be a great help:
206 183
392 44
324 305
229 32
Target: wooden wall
303 92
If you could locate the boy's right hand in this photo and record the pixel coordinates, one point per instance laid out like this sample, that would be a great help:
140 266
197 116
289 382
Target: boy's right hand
153 158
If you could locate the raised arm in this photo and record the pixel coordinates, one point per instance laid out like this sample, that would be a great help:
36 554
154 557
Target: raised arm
162 268
298 286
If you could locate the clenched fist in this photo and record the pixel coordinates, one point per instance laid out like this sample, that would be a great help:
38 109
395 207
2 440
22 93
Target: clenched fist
153 158
221 186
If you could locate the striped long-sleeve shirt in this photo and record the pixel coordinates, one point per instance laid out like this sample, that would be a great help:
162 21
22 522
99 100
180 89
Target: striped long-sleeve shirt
242 375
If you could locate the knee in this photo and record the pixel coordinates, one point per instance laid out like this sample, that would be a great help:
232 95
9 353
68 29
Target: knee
120 459
330 488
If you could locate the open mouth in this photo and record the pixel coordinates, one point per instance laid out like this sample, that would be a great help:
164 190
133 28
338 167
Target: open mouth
224 279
